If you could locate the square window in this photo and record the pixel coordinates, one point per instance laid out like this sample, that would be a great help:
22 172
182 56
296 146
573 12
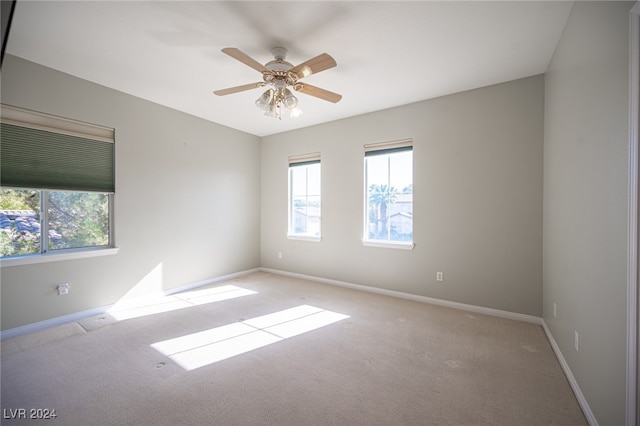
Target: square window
77 219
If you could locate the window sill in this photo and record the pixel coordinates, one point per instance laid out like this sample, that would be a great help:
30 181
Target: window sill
304 238
385 244
57 256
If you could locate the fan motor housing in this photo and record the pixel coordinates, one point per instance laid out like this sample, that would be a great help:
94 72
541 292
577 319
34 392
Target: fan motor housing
279 64
279 75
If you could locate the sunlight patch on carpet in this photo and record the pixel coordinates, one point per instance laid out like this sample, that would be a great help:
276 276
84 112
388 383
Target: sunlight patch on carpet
126 309
209 346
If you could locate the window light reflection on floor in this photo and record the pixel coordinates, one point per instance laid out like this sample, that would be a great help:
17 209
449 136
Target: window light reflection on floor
209 346
127 309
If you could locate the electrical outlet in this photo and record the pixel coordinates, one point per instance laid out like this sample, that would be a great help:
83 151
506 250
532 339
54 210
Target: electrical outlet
439 276
279 255
63 289
555 311
576 341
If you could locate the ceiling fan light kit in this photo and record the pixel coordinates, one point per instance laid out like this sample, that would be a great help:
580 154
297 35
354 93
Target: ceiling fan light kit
272 101
281 75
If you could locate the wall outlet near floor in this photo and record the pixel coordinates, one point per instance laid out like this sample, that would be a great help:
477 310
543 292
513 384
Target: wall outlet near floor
63 289
554 310
439 276
279 255
576 341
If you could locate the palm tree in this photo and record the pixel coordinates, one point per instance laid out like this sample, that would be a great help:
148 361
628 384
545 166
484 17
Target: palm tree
380 197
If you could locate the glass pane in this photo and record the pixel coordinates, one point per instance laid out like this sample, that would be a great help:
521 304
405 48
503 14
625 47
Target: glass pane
378 170
390 197
401 219
19 222
305 200
378 211
78 219
299 215
313 180
313 216
401 166
298 180
401 215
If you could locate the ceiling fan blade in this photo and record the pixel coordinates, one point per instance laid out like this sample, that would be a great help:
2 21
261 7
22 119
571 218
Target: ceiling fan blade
245 59
326 95
314 65
237 89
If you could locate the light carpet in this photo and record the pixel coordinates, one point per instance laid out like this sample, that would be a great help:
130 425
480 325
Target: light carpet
372 360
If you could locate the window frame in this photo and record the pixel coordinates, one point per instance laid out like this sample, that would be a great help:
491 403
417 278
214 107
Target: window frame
384 148
47 255
63 127
303 160
66 254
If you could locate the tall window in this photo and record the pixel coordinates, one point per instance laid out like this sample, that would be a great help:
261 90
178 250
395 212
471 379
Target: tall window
57 179
304 196
389 193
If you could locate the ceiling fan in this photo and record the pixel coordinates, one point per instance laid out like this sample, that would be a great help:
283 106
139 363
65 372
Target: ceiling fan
281 75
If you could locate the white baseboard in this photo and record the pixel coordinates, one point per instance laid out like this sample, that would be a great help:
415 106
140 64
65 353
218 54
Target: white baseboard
77 316
472 308
30 328
572 380
210 281
415 297
53 322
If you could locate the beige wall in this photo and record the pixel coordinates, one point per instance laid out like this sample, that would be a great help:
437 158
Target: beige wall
585 201
187 200
479 176
477 199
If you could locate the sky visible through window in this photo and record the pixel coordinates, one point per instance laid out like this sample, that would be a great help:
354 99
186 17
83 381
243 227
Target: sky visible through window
400 165
306 179
389 196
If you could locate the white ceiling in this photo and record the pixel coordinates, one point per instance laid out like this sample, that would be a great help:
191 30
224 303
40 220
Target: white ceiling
389 53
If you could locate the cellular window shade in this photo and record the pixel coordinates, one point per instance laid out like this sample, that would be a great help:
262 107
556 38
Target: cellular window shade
304 159
388 147
32 157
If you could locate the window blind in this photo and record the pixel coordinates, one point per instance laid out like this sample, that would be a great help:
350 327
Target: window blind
47 152
304 159
388 147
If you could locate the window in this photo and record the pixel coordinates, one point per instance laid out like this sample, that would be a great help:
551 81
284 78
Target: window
389 194
70 220
57 179
304 196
